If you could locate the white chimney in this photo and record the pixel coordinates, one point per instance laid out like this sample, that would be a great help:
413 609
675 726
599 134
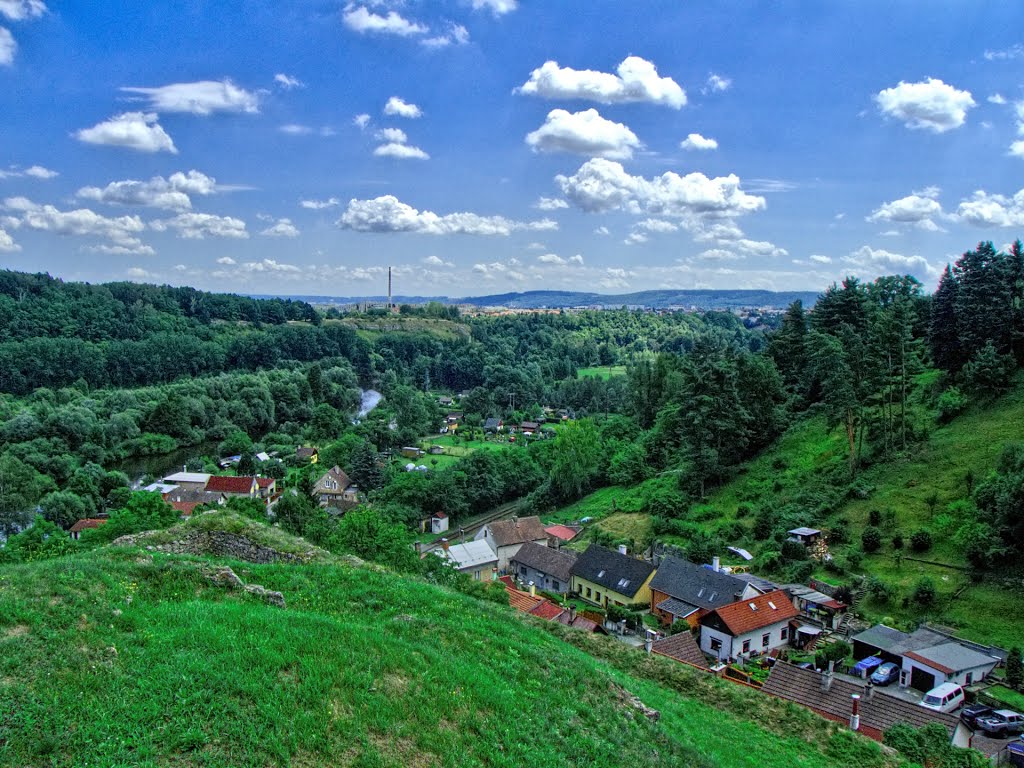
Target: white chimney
855 712
622 549
648 643
444 544
716 564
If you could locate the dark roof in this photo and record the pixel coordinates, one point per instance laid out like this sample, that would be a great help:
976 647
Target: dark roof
681 647
899 643
612 570
677 608
757 612
305 453
492 423
198 497
695 584
518 530
553 562
879 712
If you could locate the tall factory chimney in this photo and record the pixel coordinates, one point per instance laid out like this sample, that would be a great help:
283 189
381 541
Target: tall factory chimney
390 305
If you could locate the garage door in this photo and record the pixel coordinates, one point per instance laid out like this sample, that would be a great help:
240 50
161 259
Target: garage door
921 679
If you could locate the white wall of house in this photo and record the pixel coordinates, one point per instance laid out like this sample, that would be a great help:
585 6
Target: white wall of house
960 678
733 647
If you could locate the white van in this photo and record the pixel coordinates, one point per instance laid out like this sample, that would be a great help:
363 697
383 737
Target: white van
944 698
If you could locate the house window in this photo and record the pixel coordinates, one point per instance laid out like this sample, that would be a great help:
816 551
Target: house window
765 639
556 586
597 596
716 644
746 646
784 634
588 593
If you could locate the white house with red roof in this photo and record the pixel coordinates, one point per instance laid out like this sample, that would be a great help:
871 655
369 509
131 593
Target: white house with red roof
748 627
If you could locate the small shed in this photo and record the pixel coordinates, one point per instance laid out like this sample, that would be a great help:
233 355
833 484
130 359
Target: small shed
438 522
410 452
806 536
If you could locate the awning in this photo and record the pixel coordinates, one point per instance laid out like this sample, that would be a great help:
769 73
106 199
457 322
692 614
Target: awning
809 630
869 663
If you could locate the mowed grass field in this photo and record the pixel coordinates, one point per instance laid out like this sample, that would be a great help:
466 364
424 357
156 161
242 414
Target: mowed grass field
129 657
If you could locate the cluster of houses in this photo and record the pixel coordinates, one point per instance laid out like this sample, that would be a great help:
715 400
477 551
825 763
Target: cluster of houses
732 617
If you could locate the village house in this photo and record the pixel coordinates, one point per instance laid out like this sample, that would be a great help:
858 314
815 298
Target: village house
806 536
311 455
545 567
438 522
412 452
266 487
816 606
194 498
189 481
244 487
529 427
445 401
75 532
747 627
505 537
334 490
606 577
493 424
453 418
926 658
474 558
542 608
682 590
831 697
561 534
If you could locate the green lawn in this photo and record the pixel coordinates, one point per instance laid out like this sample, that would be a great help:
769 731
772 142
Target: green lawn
1012 699
601 372
131 657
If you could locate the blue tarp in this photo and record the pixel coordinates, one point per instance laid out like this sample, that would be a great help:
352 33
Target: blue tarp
864 665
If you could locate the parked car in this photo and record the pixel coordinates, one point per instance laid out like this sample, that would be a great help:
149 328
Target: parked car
886 674
1002 722
944 698
970 714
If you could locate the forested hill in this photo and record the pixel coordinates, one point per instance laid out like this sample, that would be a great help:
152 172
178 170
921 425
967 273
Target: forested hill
55 333
679 299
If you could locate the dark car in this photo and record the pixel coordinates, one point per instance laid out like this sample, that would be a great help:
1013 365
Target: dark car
885 674
1002 722
972 712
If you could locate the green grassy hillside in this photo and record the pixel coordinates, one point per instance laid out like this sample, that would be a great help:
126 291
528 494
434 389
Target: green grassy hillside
131 656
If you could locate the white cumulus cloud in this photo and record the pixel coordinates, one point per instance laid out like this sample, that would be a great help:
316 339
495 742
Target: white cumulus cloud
20 10
497 7
226 260
550 258
583 133
132 130
698 142
281 228
603 185
288 82
456 35
874 262
398 107
121 230
7 244
392 134
203 98
550 204
389 214
173 193
716 84
197 226
361 120
437 261
318 205
919 209
636 80
400 152
360 19
990 210
8 47
929 105
33 171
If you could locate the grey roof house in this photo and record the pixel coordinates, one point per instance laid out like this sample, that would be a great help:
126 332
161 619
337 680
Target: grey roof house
606 577
684 590
546 567
505 537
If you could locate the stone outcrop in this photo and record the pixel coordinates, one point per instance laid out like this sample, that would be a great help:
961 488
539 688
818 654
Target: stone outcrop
633 702
215 543
222 576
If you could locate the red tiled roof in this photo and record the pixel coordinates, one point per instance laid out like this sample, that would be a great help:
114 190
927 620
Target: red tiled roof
186 508
547 610
229 484
747 615
930 663
264 482
563 532
89 522
440 515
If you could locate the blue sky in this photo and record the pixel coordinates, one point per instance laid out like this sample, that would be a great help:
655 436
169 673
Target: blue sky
480 146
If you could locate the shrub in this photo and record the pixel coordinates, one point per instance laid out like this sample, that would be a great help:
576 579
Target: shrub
897 541
879 590
921 540
793 551
1015 669
951 404
871 539
874 518
800 571
924 592
743 510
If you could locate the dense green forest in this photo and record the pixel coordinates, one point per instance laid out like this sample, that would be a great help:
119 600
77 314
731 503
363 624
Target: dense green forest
879 363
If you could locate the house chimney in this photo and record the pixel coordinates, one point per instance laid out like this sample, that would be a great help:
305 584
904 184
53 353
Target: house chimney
462 535
572 614
494 574
648 643
622 549
826 677
716 564
533 589
444 544
855 712
869 691
515 520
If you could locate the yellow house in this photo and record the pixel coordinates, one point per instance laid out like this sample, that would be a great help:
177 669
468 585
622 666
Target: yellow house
606 577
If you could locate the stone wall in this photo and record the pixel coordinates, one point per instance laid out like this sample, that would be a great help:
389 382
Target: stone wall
215 543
